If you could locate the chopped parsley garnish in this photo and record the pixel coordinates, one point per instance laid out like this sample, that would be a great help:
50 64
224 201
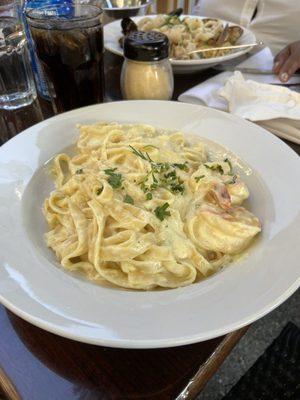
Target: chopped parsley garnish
99 191
161 175
149 196
110 171
216 167
154 178
143 186
183 167
159 168
115 180
154 186
230 166
232 181
161 212
197 178
79 171
172 20
171 175
128 199
177 188
172 182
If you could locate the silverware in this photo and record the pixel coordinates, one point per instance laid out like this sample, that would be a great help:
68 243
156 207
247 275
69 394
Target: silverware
239 46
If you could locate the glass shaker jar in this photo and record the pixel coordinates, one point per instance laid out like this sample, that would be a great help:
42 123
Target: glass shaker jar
147 72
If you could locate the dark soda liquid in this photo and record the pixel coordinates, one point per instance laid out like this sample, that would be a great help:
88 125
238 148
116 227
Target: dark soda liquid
72 60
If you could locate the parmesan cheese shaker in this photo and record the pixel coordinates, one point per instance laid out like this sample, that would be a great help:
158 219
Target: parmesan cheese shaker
147 72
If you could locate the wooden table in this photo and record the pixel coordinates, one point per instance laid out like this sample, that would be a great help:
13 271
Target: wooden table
37 365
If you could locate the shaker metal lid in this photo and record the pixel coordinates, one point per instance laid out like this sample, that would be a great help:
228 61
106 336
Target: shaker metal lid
146 46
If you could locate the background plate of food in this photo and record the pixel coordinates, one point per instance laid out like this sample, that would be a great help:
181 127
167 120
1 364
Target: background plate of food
129 201
187 33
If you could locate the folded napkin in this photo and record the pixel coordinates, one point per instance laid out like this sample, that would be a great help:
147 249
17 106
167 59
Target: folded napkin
206 93
252 97
276 108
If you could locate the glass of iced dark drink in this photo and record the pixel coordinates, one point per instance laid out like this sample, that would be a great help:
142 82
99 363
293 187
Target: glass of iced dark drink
69 43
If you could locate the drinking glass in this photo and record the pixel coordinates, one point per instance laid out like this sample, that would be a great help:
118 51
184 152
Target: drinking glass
69 44
17 87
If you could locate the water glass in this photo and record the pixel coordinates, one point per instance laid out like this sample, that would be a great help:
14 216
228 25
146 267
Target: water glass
17 87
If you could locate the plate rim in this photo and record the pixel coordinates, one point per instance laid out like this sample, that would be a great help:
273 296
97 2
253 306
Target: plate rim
153 343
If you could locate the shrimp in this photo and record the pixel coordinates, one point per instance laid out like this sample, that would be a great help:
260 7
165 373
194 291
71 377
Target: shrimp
217 230
238 192
219 193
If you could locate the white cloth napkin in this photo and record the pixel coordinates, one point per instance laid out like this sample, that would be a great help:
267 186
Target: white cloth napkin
206 93
252 97
276 108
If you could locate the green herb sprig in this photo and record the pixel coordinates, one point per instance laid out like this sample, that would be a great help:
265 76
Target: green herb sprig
151 146
160 175
183 167
128 199
140 154
232 181
216 167
177 188
161 212
149 196
115 180
197 178
230 166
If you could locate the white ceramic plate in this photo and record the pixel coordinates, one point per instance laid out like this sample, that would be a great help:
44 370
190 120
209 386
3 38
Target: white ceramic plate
33 285
113 32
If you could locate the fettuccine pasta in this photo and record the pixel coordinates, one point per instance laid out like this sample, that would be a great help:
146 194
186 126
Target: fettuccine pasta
141 208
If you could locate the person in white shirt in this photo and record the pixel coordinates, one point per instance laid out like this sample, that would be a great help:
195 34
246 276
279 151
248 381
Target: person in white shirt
275 22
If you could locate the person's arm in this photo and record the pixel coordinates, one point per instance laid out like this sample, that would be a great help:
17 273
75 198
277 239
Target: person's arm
287 61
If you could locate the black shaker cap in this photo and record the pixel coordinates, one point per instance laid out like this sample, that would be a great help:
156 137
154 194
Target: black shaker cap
146 46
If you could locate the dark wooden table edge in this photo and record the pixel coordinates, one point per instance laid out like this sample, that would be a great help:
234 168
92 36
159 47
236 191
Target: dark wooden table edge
190 392
7 387
212 364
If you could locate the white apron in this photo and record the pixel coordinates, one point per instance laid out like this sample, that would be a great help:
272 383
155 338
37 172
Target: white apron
276 22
